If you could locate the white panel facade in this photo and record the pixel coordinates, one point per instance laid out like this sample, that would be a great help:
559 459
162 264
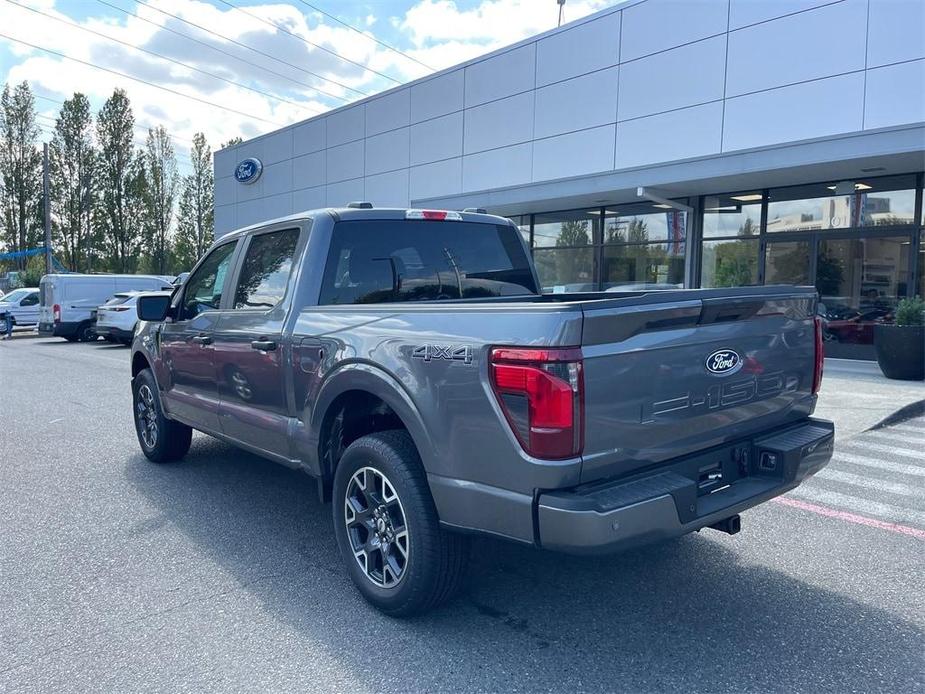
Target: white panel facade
896 31
499 123
387 152
586 48
576 104
388 112
682 134
501 75
797 48
694 71
799 112
436 139
574 154
437 178
657 25
882 108
636 86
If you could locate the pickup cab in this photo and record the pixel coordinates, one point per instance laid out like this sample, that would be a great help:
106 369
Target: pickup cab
407 361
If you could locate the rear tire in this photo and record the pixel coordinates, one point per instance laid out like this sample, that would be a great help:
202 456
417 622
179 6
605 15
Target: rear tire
387 528
162 440
85 332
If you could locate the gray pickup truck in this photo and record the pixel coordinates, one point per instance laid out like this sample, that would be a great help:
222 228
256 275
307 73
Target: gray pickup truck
406 360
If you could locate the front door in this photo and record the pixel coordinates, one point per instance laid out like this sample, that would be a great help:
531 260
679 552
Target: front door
28 313
188 378
251 351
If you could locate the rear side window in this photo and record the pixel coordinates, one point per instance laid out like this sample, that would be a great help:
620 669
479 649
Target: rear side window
266 268
117 299
398 260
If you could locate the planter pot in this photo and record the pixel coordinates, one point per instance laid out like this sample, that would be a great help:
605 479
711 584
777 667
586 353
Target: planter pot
901 351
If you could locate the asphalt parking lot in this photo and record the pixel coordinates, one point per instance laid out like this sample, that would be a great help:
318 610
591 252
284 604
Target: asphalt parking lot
221 572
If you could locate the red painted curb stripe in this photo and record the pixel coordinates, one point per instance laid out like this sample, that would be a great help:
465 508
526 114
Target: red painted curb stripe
851 517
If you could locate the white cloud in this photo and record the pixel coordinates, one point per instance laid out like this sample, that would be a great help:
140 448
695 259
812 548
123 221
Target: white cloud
439 33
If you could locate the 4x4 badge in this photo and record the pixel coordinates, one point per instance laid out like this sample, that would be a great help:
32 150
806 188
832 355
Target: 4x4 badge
448 352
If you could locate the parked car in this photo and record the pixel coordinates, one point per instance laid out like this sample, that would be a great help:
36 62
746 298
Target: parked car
22 305
116 319
405 359
69 300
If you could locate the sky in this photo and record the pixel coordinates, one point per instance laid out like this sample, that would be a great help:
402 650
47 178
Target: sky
244 67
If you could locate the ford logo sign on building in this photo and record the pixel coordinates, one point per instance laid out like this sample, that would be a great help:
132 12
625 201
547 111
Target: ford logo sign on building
723 361
248 171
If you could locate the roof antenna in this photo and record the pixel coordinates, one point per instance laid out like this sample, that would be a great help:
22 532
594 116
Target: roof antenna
561 7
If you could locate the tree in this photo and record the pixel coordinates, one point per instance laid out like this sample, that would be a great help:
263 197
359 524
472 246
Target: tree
118 168
20 170
72 162
195 224
232 142
161 194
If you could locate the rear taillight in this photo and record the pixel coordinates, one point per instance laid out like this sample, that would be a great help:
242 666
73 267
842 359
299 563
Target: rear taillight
819 357
541 392
120 308
56 312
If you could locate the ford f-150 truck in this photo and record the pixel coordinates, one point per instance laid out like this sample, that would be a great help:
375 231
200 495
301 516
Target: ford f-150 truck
407 361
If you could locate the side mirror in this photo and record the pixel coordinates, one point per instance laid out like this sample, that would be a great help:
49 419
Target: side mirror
153 307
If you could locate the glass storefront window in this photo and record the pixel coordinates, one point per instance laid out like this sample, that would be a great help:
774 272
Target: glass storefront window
643 266
859 283
888 201
729 263
566 229
644 222
787 262
736 214
563 270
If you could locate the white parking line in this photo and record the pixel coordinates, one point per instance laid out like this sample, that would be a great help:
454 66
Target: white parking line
918 455
896 514
880 464
869 482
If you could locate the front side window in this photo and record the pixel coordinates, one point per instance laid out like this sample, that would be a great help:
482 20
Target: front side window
31 300
396 260
203 290
266 268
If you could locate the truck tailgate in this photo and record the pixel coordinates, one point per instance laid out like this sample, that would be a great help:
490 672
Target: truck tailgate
670 373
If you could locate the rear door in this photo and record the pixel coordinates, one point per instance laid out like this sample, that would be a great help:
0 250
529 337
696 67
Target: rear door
187 371
251 354
675 372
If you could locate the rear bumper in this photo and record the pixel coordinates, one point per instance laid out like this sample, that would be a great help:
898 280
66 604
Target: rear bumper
112 331
58 329
612 516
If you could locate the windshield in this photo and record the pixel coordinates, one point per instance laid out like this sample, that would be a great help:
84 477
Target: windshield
16 295
379 261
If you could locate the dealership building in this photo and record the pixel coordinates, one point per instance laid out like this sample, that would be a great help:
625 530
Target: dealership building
657 143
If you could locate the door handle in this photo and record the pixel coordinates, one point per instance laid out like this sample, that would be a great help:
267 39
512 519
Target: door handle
264 345
201 339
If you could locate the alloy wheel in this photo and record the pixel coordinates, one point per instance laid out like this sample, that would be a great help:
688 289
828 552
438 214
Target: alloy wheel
376 527
146 414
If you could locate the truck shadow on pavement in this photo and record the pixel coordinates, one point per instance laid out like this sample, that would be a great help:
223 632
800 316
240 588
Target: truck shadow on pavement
687 614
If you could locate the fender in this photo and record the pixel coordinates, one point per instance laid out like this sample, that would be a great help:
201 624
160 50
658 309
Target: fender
374 380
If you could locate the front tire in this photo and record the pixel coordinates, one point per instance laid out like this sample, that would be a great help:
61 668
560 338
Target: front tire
387 529
162 440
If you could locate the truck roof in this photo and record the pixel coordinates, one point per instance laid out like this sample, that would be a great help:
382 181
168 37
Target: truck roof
355 213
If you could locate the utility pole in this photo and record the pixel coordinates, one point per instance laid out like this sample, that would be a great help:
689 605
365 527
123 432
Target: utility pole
561 7
45 188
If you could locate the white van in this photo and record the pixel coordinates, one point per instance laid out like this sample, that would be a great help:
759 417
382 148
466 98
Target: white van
68 300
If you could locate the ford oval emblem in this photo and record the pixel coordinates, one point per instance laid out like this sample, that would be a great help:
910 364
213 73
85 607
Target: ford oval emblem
248 170
723 361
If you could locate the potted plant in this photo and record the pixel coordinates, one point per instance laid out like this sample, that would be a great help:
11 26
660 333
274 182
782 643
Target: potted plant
901 346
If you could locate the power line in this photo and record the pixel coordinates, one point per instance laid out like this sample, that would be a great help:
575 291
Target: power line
163 57
182 157
242 45
363 33
138 79
310 43
138 126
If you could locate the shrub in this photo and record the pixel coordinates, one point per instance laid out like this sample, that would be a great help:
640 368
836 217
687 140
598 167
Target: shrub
910 312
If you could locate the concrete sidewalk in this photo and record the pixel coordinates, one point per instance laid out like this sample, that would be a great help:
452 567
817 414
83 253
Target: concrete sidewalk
856 395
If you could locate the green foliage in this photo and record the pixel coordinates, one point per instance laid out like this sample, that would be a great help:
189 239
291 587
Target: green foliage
196 219
33 272
736 264
910 312
159 195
